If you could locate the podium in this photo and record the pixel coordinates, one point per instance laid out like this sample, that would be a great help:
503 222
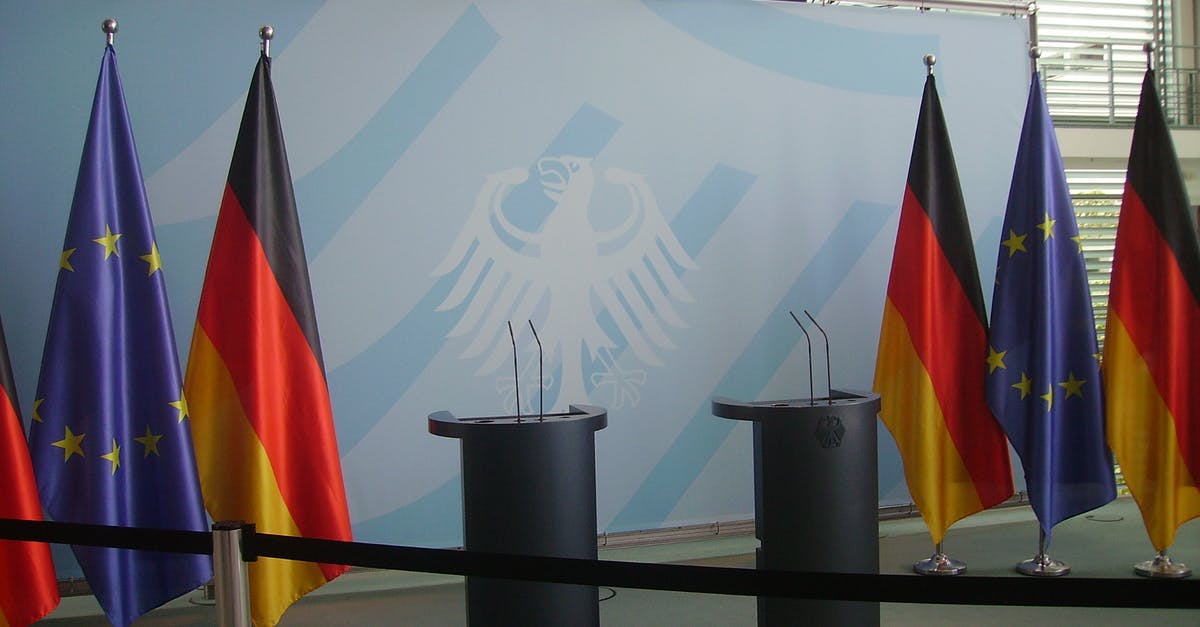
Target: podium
529 488
816 495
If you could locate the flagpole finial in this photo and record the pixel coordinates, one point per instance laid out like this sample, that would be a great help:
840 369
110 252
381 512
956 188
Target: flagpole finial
930 60
109 26
265 34
1148 48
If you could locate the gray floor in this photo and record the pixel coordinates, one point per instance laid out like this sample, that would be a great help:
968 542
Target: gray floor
1104 543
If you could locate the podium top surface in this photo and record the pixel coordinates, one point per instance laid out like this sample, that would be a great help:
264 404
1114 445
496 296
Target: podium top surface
446 424
842 402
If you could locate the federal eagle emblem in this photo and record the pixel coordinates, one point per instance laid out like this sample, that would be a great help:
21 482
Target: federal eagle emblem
568 274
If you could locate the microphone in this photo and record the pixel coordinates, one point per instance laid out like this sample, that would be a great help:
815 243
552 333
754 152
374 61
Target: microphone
828 376
811 400
541 379
516 376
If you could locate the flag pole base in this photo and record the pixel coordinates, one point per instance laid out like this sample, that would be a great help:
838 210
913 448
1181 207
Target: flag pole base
1162 567
1042 565
940 564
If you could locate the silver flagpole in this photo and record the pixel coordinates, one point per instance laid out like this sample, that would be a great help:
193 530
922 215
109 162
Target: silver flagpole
1161 567
265 34
1042 565
939 563
109 27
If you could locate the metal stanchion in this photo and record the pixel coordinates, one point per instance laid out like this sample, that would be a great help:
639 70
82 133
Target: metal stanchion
230 578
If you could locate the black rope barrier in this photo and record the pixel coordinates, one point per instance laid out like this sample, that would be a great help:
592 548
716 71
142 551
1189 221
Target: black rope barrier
962 590
142 539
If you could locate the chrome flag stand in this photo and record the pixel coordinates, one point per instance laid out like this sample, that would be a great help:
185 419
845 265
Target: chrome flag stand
939 564
1162 567
1042 565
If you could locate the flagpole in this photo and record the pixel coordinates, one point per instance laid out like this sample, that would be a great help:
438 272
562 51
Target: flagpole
109 26
939 563
266 33
1042 565
1162 566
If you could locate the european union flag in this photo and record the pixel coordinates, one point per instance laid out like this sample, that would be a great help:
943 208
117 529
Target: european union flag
110 439
1043 381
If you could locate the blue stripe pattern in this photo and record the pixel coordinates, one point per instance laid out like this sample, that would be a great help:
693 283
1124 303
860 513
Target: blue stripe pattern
749 373
330 194
872 62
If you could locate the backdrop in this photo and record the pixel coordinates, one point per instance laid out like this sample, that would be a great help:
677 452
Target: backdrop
654 184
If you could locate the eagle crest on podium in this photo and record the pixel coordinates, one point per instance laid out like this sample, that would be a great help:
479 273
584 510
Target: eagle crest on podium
570 274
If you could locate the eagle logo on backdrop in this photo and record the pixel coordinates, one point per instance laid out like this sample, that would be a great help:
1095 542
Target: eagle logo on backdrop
585 289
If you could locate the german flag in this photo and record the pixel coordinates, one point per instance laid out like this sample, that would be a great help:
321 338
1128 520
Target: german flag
1152 344
258 398
931 365
28 588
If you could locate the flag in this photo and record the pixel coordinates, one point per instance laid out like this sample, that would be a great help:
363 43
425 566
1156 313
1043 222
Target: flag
929 371
262 419
1043 381
109 440
28 588
1152 340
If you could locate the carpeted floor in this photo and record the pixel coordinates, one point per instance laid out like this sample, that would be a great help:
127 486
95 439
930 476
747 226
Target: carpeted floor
1104 543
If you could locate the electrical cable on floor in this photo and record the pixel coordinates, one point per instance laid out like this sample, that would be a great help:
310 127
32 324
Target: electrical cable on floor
612 593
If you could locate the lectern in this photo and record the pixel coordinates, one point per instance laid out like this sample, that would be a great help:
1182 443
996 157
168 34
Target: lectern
816 495
529 488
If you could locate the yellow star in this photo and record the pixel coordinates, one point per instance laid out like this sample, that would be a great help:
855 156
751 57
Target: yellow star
1014 243
1074 386
1098 356
1049 397
153 259
70 444
37 403
64 262
109 242
1025 385
1047 227
150 441
181 405
114 456
995 360
1078 239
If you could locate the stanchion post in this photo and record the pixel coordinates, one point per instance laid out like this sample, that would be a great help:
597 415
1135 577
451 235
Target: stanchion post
230 578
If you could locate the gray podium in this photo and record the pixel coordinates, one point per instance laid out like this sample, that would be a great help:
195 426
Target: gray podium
529 488
816 495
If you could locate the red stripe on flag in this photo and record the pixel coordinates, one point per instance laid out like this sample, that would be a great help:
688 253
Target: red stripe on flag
952 344
1162 317
28 588
281 385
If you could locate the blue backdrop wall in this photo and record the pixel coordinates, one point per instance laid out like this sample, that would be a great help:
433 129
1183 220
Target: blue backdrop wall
654 183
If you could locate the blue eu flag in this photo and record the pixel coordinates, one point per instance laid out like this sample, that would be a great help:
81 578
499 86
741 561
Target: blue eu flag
1043 381
110 439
